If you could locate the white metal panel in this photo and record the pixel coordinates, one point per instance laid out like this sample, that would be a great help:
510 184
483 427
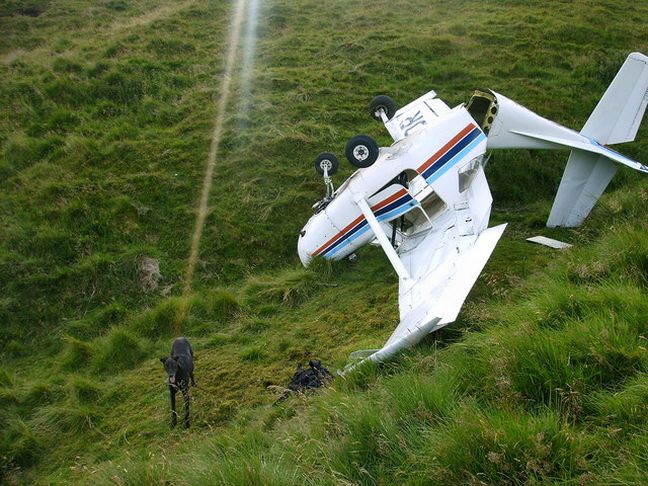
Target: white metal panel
550 242
441 293
585 178
416 116
618 114
479 192
513 118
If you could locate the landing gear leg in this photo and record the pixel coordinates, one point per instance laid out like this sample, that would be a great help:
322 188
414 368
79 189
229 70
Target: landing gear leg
328 182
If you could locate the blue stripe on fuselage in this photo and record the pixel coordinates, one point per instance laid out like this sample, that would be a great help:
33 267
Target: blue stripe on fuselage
360 228
450 154
365 227
405 203
448 165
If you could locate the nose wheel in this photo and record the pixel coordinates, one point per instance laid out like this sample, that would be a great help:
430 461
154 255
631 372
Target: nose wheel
326 163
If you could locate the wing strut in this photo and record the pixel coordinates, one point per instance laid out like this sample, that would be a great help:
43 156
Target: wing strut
382 238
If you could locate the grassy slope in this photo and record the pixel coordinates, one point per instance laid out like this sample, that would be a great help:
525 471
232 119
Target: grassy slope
105 126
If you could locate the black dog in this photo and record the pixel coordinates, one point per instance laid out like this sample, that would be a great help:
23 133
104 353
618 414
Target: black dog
180 367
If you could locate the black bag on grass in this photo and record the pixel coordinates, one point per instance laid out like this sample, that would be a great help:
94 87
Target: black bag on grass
312 377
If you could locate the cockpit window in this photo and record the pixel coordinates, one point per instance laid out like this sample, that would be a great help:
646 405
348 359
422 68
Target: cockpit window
468 172
402 179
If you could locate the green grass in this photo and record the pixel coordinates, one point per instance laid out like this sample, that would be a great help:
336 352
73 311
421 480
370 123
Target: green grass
106 113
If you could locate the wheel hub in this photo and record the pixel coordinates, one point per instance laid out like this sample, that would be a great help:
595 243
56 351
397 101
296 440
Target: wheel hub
361 152
326 164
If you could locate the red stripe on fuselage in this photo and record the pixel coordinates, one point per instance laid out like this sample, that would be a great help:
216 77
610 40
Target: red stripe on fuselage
332 240
389 200
453 141
437 155
356 221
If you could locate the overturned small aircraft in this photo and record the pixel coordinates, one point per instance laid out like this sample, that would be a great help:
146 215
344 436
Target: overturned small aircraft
426 201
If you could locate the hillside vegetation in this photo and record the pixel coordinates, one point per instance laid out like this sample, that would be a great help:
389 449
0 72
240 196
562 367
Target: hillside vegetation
106 116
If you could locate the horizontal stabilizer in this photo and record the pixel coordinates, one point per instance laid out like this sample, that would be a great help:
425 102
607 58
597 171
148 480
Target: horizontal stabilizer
590 167
587 145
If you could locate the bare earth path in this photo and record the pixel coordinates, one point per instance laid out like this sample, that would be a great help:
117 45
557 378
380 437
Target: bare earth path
109 31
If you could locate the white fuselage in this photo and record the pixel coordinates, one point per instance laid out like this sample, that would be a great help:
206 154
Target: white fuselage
427 203
443 188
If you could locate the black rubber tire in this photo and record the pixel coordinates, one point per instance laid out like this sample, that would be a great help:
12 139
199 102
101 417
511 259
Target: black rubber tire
323 158
382 102
362 151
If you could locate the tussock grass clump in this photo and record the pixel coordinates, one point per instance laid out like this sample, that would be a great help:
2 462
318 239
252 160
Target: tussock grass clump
290 287
32 392
217 339
626 409
622 255
83 390
502 447
255 326
253 354
6 379
66 418
118 351
20 445
8 391
76 353
241 459
162 320
425 398
365 441
40 392
219 305
31 8
195 315
20 151
133 472
96 323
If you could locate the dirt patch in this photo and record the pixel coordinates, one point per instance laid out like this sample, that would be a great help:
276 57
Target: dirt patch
148 271
29 11
19 9
11 56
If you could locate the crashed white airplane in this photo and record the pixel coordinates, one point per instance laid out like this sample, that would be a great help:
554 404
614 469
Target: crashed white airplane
426 200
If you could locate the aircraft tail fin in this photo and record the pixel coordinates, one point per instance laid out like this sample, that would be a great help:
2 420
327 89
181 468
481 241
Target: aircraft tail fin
615 119
618 114
585 178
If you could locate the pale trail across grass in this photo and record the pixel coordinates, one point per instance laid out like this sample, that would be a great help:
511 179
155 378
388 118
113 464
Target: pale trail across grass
109 31
232 42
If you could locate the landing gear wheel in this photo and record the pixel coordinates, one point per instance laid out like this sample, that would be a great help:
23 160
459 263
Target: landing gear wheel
361 151
382 103
326 160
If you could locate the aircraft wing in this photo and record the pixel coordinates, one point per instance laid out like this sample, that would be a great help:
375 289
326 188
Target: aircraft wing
435 278
437 293
431 294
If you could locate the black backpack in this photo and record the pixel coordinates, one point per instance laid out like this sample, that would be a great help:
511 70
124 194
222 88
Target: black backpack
312 377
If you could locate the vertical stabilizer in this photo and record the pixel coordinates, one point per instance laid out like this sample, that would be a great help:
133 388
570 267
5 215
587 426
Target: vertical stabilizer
618 114
585 178
615 119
